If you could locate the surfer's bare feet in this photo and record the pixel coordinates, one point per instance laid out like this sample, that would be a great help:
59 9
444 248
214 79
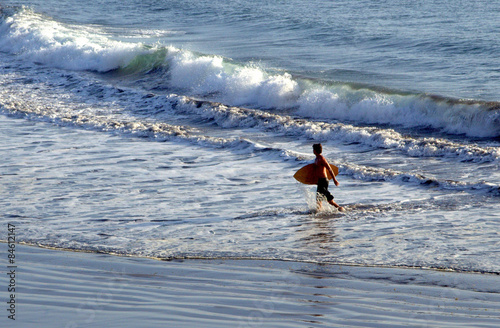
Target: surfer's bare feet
341 209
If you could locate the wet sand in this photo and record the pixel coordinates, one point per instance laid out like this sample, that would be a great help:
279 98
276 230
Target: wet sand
73 289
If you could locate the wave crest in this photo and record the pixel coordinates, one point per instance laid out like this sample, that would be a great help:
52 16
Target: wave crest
36 38
39 39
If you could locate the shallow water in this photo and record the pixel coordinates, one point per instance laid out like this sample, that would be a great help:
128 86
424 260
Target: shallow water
148 135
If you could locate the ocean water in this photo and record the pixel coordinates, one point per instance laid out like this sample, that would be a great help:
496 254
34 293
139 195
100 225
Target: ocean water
172 129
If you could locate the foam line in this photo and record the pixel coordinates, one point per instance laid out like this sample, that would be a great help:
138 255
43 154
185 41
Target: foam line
226 116
379 174
163 131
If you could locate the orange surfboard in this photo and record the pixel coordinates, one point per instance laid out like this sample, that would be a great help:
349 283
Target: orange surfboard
308 174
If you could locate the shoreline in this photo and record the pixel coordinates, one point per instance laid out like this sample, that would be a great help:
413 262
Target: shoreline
77 289
222 258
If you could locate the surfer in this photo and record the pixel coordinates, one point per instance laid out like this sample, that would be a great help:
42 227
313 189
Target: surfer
322 166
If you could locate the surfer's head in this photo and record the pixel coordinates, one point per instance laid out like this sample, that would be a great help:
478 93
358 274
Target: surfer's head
317 148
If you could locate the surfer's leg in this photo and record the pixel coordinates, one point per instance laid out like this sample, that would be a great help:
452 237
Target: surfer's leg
323 189
319 201
319 204
321 193
340 208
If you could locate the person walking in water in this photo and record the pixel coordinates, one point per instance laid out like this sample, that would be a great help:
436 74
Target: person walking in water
322 167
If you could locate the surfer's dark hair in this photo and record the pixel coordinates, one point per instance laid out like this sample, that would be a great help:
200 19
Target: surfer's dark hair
318 148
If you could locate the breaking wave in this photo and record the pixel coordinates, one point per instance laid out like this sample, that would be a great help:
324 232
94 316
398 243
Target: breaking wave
36 38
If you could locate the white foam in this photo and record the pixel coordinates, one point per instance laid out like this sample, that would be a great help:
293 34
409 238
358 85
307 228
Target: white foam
380 138
252 86
366 106
225 116
39 39
237 85
366 173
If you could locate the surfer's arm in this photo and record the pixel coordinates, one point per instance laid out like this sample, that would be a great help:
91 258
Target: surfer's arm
327 165
335 180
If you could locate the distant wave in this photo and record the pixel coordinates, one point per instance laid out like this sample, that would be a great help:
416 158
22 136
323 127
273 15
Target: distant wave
39 39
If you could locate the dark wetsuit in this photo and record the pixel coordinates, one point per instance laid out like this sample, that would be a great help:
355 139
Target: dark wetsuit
323 190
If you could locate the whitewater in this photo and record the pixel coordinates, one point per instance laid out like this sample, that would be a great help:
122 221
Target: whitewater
146 134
